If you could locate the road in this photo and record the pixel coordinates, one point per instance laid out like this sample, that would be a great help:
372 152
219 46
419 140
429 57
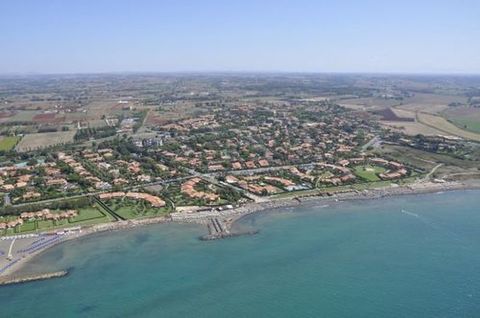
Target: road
6 199
433 171
374 142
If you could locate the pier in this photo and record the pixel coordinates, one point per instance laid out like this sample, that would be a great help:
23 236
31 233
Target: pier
31 278
218 229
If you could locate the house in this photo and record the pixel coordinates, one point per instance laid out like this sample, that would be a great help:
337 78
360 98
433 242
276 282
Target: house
250 165
263 163
237 165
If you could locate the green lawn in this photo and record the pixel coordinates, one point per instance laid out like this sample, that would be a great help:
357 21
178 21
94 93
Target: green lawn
87 214
27 227
45 225
7 143
368 172
132 212
472 125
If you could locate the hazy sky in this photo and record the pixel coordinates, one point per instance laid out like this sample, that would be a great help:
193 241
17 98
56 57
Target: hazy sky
70 36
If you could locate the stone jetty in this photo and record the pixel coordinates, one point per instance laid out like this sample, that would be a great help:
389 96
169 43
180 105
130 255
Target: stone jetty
30 278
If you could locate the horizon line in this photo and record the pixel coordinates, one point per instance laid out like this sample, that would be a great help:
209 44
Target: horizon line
232 72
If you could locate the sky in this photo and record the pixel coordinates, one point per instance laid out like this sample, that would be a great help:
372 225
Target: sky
98 36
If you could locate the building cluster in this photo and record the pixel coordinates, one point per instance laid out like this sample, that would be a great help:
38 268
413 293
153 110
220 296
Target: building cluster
251 137
189 188
110 169
31 181
45 214
155 201
395 170
81 171
13 177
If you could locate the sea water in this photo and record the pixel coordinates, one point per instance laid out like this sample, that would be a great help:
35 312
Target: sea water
409 256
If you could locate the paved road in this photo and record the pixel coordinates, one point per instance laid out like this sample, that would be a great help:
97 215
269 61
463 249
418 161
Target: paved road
374 142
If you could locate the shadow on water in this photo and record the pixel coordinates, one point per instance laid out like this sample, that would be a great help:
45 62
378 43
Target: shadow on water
141 238
86 309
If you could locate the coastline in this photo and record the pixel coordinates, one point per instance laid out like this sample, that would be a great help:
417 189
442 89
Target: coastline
379 193
231 216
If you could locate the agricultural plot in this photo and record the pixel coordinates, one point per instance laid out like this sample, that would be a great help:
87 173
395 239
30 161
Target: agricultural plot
411 128
369 104
441 124
8 143
44 140
431 103
23 116
467 118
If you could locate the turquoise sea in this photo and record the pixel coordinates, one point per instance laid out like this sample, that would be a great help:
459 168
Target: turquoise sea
410 256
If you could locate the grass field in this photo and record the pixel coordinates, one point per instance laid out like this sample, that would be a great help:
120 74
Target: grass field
411 128
368 173
88 214
133 210
430 103
368 103
441 124
8 143
467 118
27 227
472 125
43 140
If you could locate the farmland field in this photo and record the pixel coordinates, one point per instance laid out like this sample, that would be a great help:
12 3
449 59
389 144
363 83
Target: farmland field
430 103
446 127
43 140
368 103
467 118
411 128
8 143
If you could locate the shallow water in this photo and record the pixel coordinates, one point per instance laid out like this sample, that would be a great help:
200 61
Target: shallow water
411 256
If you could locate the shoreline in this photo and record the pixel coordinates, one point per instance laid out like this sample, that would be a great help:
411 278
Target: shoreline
373 194
231 216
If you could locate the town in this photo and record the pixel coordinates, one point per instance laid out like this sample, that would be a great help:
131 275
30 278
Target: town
141 157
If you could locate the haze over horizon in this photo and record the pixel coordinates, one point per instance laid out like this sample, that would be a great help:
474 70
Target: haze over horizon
213 36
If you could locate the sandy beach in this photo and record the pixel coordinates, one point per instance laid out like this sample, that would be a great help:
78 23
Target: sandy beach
26 249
